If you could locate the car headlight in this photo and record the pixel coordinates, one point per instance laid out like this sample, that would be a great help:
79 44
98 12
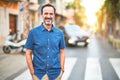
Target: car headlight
71 41
88 40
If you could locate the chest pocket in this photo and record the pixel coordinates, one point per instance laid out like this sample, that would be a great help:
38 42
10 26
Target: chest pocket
40 43
55 41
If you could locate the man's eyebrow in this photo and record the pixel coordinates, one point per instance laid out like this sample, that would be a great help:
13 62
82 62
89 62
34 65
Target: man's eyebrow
48 13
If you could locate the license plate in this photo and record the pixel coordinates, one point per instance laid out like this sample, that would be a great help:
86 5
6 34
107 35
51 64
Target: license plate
80 43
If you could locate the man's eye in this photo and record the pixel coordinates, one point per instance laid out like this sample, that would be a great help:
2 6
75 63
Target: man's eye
46 13
51 13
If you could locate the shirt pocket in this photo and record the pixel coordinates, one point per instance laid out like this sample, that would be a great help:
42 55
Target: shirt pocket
55 41
39 43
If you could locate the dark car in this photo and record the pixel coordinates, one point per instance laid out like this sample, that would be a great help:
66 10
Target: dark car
75 36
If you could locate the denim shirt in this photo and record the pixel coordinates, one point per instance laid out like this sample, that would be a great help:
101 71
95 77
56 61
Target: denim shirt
46 46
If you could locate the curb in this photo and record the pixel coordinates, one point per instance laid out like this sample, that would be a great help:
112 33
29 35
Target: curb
115 42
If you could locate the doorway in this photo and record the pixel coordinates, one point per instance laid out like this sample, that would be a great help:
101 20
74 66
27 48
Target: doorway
13 24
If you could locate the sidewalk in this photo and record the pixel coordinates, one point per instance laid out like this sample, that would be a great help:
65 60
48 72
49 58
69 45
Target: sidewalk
1 51
115 42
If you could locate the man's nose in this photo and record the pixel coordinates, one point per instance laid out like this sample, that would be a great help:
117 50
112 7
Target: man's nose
48 15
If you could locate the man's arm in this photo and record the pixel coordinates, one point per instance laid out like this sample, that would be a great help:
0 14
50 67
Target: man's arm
62 59
29 61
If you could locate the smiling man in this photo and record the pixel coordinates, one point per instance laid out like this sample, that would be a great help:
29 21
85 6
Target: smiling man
46 44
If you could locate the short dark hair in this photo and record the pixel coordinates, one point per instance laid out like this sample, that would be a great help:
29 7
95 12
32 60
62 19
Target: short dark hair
48 5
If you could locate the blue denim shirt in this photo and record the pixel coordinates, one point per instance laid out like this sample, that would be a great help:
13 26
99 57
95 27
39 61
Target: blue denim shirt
46 47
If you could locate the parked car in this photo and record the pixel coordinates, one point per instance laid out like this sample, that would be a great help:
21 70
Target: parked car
75 36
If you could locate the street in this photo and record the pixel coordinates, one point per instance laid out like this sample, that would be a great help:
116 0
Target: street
98 61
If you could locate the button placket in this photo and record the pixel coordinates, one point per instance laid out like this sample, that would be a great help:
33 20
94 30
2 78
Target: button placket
47 56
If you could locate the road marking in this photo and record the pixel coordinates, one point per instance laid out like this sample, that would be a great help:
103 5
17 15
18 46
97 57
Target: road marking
116 65
93 69
69 64
24 76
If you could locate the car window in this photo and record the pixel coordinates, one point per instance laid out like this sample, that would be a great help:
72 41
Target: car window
73 30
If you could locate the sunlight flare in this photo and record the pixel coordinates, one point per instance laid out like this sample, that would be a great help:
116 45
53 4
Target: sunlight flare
92 6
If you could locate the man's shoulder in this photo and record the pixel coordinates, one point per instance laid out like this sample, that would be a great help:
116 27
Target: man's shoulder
34 29
57 29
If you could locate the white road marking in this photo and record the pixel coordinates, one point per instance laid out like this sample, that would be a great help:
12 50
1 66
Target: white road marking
93 69
69 64
24 76
116 65
92 72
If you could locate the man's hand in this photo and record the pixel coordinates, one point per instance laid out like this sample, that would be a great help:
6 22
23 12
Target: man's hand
62 69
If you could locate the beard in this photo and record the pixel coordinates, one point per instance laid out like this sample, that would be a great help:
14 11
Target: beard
48 21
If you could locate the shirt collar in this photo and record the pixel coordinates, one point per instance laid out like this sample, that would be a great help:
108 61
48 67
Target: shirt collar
43 28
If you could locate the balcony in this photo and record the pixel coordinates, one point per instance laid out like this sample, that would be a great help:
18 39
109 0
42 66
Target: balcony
33 1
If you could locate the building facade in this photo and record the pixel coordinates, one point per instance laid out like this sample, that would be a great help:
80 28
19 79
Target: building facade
16 17
19 16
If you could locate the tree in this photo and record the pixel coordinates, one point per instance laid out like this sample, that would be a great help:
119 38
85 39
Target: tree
111 12
79 13
112 9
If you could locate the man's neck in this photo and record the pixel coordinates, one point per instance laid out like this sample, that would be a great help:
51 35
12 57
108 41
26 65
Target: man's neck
48 27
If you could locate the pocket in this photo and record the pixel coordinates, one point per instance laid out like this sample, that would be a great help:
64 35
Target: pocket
35 77
59 76
45 77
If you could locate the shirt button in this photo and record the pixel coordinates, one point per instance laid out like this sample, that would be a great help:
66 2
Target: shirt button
47 64
48 48
47 56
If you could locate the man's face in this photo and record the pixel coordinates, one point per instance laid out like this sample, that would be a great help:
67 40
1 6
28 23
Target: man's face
48 15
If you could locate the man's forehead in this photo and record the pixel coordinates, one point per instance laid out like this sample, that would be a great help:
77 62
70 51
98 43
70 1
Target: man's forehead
48 9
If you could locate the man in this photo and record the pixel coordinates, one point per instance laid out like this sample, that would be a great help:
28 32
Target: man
46 43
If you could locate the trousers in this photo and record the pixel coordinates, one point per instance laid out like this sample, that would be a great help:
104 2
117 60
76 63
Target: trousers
45 77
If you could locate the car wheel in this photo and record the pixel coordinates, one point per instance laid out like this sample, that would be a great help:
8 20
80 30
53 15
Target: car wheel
86 44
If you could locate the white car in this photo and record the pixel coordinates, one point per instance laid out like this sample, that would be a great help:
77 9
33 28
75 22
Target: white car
75 36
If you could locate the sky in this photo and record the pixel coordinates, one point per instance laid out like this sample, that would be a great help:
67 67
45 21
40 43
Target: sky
91 7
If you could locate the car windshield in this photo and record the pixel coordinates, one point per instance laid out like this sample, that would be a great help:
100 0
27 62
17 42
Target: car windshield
73 30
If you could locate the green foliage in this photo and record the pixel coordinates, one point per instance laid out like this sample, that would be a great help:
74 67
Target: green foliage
79 14
70 5
112 9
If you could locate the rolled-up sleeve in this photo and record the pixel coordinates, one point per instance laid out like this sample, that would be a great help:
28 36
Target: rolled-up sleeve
62 41
29 42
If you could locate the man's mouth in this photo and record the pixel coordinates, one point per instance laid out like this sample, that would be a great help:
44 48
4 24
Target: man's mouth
48 18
